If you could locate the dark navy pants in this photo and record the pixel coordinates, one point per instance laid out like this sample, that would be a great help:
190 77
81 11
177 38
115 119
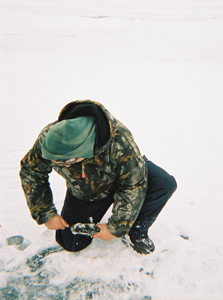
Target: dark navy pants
161 186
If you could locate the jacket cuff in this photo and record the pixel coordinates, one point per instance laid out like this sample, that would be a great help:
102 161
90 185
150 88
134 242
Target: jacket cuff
45 218
118 231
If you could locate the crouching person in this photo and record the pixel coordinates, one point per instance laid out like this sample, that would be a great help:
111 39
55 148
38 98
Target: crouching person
102 165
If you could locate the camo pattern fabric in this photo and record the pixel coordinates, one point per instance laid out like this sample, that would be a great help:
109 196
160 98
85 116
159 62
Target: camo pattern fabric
117 167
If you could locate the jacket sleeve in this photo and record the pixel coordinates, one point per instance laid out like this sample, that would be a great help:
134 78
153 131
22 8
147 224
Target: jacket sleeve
131 189
34 179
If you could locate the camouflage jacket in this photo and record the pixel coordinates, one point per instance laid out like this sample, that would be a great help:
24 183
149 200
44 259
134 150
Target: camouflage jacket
117 167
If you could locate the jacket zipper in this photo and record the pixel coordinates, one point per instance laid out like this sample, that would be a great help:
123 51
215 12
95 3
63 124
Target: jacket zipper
83 174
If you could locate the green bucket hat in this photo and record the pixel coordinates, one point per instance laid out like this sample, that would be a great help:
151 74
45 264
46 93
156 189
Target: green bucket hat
73 138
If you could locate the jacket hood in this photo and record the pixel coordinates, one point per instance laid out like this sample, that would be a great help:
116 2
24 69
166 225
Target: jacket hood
95 109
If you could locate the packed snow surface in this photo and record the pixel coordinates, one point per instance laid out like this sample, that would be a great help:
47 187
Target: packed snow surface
156 65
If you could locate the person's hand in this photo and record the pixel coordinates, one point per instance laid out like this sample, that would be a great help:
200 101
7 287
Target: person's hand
56 222
104 234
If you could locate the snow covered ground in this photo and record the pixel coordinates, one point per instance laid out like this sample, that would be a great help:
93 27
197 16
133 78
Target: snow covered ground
157 65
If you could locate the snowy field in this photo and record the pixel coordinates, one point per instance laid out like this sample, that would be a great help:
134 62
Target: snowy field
157 65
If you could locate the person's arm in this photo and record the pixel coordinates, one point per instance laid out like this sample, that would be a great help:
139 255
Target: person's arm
34 179
131 186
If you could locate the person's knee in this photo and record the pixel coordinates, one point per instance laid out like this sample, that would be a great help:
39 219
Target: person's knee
80 243
72 243
170 185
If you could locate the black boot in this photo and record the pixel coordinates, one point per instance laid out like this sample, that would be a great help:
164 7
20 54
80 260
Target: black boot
141 245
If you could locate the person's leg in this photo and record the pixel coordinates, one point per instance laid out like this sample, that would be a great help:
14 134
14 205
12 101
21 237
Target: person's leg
79 211
161 186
